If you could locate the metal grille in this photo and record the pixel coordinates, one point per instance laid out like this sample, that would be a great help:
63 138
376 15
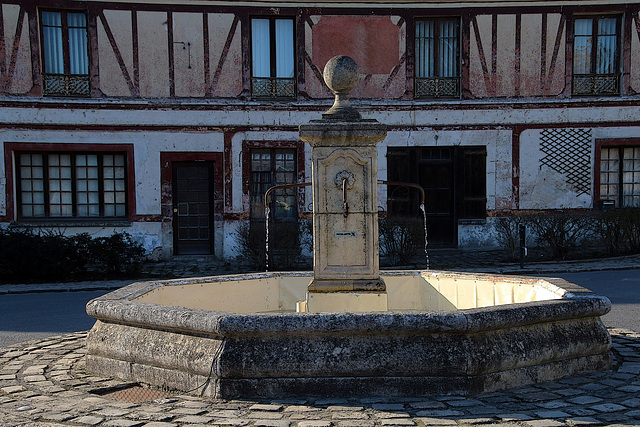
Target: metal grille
66 85
568 151
134 394
438 87
273 87
595 84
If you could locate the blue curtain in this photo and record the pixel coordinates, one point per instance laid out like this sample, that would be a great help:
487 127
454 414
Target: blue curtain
607 46
52 42
79 61
582 46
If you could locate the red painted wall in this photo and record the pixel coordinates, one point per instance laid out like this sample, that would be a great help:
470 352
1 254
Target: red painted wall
372 41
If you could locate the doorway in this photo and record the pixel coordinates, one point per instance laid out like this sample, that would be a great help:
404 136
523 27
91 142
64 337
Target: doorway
454 182
193 208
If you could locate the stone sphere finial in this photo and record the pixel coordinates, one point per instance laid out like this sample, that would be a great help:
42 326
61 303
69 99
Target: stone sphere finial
342 75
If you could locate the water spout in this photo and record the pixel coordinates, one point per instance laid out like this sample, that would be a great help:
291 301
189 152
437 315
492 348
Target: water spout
422 208
345 205
267 211
426 240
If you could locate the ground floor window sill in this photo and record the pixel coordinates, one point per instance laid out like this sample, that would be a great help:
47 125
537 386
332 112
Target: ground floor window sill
72 223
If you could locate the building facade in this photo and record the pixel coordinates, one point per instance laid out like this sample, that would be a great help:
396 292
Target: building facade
169 119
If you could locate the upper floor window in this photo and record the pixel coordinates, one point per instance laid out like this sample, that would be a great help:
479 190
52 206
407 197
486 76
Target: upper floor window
64 50
62 185
596 65
272 58
437 58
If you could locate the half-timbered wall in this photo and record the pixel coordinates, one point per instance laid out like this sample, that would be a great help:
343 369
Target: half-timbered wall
166 51
172 81
517 55
15 52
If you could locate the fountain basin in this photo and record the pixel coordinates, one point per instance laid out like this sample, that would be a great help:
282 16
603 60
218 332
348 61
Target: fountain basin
444 333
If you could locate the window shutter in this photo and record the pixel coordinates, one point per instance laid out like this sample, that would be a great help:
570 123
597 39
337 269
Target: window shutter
472 183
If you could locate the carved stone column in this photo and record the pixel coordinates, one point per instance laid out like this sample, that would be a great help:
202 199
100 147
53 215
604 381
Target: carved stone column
345 201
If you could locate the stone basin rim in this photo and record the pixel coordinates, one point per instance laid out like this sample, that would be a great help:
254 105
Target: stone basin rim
119 307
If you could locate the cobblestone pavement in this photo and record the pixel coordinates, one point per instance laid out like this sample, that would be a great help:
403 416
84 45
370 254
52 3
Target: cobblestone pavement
43 383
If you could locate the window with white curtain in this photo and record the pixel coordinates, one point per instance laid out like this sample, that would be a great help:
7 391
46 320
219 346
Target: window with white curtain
64 52
437 52
273 57
596 65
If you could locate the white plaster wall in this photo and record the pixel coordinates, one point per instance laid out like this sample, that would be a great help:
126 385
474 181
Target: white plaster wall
228 114
409 128
147 147
478 235
544 188
541 187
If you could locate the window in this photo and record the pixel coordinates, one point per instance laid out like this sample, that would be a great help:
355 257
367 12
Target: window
620 175
64 50
71 185
596 69
271 167
272 58
437 58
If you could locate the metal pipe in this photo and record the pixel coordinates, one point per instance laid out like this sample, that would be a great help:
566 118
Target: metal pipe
267 210
345 205
406 184
267 195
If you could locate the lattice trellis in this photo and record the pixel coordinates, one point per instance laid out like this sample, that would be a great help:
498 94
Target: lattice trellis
568 151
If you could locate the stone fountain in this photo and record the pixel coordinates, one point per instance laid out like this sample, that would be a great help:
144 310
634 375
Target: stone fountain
344 329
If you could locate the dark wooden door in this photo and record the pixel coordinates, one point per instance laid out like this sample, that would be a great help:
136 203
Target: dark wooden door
433 169
435 175
193 208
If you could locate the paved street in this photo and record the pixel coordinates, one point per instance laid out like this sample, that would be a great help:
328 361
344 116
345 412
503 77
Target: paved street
32 316
622 287
43 383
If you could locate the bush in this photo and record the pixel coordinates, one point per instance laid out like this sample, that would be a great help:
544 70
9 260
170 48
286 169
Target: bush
508 234
117 253
619 230
560 232
26 256
401 239
285 244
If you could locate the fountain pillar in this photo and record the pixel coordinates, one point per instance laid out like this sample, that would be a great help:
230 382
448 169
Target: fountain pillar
346 273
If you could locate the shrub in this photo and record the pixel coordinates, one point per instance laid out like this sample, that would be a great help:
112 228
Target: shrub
285 244
401 239
619 230
26 256
561 231
609 229
508 233
118 253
